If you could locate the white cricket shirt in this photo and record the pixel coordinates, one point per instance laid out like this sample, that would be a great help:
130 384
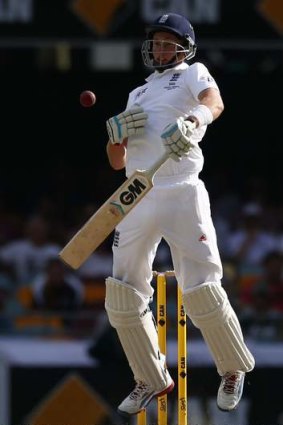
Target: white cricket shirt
166 96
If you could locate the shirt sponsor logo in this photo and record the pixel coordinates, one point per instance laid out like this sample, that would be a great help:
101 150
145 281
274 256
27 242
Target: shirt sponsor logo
172 82
175 77
141 92
208 78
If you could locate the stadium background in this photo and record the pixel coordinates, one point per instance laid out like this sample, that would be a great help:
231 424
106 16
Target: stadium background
53 150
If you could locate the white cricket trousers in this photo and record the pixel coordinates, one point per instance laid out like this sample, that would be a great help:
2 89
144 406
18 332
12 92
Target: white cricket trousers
180 213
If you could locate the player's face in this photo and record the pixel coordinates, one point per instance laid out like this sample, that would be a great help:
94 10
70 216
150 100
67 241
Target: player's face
164 47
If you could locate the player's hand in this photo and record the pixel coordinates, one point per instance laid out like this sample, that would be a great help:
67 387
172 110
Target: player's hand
176 138
129 123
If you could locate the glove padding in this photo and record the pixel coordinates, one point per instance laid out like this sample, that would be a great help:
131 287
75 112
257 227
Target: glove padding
176 138
129 123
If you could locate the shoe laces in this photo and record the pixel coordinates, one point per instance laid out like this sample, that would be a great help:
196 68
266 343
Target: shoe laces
139 390
231 380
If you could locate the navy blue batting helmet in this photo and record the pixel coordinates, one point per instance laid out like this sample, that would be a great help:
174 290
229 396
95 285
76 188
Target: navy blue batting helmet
174 24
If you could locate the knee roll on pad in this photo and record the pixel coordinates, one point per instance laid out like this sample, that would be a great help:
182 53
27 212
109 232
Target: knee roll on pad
130 315
125 306
210 310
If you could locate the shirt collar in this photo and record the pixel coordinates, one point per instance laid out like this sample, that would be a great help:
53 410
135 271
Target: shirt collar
180 67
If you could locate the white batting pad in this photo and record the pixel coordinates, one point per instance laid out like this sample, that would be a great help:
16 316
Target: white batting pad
129 313
210 310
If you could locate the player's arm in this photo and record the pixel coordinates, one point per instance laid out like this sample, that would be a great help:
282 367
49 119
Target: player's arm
117 154
210 107
177 135
129 123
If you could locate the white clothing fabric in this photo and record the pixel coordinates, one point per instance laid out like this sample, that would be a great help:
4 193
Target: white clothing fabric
179 213
165 97
177 208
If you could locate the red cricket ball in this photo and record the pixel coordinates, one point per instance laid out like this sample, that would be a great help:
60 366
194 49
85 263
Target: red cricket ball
87 99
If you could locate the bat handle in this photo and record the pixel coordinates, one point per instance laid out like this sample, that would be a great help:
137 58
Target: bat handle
155 167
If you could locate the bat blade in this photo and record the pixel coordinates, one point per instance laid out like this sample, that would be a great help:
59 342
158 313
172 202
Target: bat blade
105 219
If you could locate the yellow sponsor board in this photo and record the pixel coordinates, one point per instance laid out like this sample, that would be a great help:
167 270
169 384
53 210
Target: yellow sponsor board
272 10
97 14
72 402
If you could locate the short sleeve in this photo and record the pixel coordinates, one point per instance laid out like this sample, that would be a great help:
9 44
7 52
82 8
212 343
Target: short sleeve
198 78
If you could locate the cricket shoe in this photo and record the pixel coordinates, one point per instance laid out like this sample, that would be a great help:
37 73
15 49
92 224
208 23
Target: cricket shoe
230 390
140 397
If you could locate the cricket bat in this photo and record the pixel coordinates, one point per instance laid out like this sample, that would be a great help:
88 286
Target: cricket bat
106 218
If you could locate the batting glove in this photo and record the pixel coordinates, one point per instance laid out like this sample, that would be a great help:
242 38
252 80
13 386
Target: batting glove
176 138
129 123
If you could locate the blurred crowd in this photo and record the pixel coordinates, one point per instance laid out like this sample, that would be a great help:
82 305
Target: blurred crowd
41 296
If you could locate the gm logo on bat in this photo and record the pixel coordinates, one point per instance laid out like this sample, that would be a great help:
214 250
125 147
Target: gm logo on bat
128 197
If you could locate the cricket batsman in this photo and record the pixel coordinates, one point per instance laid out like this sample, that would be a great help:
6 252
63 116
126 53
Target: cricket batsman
170 113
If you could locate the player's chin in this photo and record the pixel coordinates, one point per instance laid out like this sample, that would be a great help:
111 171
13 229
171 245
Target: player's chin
161 64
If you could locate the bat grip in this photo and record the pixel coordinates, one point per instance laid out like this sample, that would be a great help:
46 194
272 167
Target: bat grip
155 167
